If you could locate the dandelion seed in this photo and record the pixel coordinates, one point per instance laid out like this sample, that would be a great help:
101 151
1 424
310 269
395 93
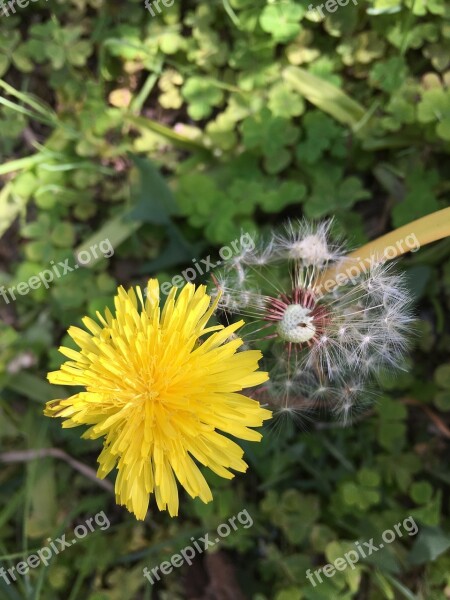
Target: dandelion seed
161 395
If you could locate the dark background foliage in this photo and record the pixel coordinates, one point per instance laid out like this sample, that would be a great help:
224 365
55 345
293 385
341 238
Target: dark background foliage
168 136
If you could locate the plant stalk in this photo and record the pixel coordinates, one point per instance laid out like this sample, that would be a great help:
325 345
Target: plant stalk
425 230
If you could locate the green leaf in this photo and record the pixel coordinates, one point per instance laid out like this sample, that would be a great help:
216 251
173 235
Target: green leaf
431 543
173 254
166 133
442 400
10 207
421 492
406 593
269 135
435 108
289 594
154 200
63 235
392 429
331 192
294 513
417 278
201 95
322 133
282 20
389 75
284 102
35 388
114 231
420 198
326 96
42 519
442 376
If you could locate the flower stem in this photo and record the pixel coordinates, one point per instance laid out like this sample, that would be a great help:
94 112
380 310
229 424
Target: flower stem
423 231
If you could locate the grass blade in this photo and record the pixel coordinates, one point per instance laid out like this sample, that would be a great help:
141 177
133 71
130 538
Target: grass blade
326 96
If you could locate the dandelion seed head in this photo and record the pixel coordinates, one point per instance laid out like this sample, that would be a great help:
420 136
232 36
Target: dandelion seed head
312 250
308 244
325 346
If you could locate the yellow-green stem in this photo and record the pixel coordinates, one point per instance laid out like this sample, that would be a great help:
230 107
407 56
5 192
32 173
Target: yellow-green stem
426 230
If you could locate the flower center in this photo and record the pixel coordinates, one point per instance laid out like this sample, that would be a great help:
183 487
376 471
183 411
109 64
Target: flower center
296 324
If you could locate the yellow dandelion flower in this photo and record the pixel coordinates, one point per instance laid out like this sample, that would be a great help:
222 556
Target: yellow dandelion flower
160 395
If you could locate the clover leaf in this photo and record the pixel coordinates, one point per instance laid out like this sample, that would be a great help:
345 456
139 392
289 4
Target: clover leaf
201 95
282 20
